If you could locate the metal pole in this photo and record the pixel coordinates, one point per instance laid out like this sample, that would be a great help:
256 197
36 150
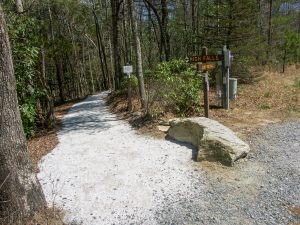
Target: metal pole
225 78
129 108
227 88
205 86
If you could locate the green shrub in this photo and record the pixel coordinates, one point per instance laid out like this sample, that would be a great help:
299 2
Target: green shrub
174 87
124 83
297 82
24 33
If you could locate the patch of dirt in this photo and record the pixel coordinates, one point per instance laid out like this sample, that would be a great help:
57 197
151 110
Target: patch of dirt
46 140
46 216
271 98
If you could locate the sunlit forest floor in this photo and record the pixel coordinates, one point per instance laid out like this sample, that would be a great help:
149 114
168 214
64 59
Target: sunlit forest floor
274 97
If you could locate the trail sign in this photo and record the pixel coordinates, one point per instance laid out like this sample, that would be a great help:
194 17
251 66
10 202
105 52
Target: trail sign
206 58
127 69
206 66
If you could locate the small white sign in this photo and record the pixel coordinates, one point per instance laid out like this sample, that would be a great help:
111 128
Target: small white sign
127 69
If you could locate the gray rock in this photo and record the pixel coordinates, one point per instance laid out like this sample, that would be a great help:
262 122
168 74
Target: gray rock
214 141
163 128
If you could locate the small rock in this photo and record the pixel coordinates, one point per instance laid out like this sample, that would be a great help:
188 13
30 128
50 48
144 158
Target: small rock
163 128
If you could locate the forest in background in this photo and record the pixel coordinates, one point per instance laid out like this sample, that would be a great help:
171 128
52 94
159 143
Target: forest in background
67 49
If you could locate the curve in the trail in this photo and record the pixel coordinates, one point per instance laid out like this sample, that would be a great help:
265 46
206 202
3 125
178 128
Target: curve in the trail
103 173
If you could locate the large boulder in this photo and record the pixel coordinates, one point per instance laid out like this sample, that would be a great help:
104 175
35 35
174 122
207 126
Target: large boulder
214 141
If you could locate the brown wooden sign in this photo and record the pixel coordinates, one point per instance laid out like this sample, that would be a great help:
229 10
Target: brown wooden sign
206 66
205 58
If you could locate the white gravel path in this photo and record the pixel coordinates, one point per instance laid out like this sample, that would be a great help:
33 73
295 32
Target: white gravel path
102 172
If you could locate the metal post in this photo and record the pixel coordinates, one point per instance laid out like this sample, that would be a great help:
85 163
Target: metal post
227 88
205 86
129 94
225 78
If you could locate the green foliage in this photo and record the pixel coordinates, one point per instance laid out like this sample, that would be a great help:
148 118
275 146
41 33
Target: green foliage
297 83
265 106
23 32
124 83
28 113
292 45
176 88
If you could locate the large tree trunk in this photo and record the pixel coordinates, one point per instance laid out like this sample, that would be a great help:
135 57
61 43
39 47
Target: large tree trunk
20 191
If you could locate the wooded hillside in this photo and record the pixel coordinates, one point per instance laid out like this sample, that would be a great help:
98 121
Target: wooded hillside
65 50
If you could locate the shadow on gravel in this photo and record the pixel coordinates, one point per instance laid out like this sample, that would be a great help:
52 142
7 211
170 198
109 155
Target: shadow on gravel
86 117
189 146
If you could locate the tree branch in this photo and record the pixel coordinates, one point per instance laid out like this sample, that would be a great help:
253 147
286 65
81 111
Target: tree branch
4 181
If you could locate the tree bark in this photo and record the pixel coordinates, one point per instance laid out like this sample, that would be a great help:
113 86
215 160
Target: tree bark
46 115
138 51
165 33
115 42
163 26
270 31
101 51
20 192
19 6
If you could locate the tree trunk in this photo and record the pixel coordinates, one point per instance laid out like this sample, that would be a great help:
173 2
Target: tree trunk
19 6
165 33
58 66
46 114
101 51
193 25
20 192
270 31
115 42
138 51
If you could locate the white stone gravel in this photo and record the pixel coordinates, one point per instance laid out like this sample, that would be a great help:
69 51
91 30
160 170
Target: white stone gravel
102 172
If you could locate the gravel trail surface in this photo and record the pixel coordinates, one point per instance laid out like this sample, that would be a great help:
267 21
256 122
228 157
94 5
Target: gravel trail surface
103 172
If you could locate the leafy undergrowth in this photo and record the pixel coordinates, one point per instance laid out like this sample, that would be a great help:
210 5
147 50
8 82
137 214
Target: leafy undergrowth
271 98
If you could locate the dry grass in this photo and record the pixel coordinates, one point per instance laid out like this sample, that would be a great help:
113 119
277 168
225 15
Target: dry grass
272 98
48 216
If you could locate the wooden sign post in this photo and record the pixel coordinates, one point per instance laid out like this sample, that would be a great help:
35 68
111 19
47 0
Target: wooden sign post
208 62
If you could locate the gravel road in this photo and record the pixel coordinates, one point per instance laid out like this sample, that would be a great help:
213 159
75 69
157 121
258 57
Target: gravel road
103 172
